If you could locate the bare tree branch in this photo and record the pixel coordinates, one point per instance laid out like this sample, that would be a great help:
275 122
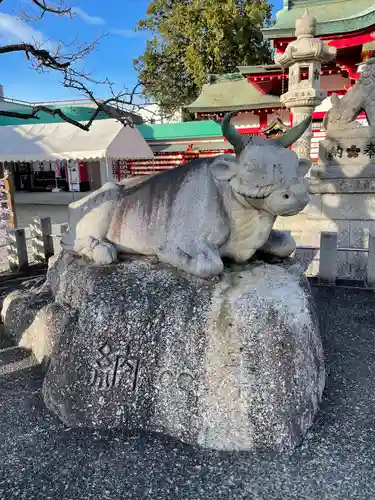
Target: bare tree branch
46 8
42 56
121 106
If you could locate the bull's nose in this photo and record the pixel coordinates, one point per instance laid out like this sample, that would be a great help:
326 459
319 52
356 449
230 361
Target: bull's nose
302 193
305 198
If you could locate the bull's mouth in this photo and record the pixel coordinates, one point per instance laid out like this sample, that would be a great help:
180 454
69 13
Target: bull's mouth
247 200
292 212
251 202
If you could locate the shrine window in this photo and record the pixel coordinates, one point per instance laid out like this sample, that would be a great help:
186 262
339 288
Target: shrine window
303 73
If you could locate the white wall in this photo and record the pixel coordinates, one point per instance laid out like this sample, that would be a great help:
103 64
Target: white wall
333 82
12 106
251 120
245 120
153 112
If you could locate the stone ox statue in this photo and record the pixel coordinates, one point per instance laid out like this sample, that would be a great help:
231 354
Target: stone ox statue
194 215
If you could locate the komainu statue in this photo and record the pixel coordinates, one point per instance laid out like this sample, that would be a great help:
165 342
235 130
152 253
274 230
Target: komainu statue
194 215
361 97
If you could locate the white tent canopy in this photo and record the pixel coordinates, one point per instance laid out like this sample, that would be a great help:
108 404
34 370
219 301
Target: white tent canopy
63 141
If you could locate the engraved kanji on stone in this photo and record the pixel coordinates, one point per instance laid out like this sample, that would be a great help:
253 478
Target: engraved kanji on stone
353 151
370 150
335 152
112 369
316 74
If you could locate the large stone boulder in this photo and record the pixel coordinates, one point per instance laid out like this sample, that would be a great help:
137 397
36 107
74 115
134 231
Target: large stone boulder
234 363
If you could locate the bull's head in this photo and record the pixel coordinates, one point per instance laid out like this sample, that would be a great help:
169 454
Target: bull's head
266 175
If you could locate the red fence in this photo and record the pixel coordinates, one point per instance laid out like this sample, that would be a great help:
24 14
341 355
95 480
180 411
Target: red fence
129 168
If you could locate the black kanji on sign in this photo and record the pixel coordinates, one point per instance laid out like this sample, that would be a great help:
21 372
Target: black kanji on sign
353 151
370 150
335 152
112 369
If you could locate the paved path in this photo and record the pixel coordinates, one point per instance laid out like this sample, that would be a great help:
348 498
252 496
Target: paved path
26 213
41 459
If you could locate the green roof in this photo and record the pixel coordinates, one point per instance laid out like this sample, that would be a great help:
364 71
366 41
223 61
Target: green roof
78 113
333 17
227 95
155 132
150 132
256 70
180 130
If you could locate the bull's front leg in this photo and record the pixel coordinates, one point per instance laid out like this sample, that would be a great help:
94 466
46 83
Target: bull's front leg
90 234
280 244
206 263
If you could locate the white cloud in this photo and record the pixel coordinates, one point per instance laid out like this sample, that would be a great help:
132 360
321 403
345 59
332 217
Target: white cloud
99 21
127 33
13 30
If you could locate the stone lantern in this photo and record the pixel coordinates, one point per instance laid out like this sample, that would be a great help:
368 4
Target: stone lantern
304 58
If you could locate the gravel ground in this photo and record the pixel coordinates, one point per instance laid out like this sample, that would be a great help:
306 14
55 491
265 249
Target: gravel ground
40 459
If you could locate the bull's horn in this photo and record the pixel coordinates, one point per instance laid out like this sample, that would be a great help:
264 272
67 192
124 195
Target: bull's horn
231 134
293 134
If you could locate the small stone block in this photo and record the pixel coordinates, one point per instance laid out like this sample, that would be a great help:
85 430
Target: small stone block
371 260
17 250
328 257
42 241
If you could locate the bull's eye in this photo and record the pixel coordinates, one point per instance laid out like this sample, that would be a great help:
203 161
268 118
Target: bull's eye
286 196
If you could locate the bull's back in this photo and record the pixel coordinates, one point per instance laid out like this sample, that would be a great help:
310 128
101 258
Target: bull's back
146 213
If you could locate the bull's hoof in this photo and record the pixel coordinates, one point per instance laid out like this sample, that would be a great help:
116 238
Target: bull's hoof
104 253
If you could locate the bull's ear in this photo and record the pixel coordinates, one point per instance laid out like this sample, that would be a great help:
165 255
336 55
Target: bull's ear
223 168
304 165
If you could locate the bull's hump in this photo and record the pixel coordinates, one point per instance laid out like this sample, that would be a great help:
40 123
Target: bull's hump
151 203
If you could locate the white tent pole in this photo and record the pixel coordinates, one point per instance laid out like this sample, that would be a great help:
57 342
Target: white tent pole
106 169
9 189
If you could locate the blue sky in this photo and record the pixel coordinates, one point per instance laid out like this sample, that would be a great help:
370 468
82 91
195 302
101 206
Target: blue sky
112 58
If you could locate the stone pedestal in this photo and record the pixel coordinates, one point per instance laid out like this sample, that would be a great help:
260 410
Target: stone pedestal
354 148
346 163
302 105
234 363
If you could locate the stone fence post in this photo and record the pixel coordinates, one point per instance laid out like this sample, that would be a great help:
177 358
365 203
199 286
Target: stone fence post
371 260
328 257
41 239
17 250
